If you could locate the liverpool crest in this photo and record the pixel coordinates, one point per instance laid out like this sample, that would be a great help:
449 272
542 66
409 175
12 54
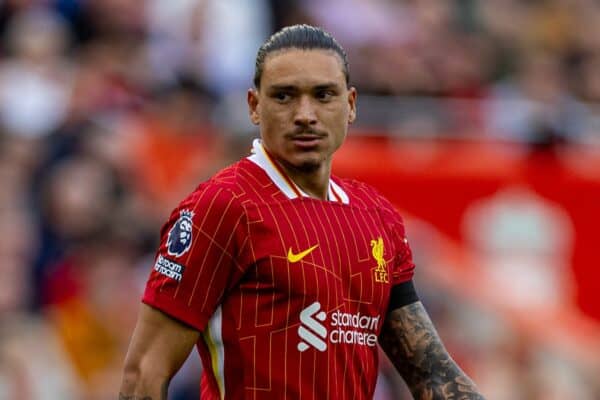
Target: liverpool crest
380 272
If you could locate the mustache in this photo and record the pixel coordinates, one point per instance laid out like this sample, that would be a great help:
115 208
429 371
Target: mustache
304 130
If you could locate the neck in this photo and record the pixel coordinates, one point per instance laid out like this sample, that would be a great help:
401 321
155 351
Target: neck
314 182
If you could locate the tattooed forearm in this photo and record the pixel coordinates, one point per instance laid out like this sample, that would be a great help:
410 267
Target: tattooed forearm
412 344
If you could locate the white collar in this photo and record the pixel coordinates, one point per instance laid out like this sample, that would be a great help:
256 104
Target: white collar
261 158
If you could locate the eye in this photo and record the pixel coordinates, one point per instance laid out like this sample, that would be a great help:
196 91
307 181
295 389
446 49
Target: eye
282 97
324 95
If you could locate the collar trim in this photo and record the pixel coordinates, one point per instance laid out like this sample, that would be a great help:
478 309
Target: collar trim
261 157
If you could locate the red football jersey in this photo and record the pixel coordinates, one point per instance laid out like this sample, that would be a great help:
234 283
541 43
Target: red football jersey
289 292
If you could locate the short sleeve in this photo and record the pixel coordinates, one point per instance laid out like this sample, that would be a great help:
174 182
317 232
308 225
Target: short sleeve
200 257
402 266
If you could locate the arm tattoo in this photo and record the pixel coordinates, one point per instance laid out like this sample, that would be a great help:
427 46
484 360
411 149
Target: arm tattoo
123 397
414 347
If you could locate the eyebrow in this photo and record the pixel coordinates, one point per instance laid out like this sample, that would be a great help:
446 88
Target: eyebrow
328 85
285 87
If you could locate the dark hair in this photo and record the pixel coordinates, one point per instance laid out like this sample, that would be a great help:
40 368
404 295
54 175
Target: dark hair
303 37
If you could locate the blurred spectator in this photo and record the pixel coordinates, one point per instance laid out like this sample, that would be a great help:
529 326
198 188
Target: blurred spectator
33 364
90 305
171 146
536 106
78 199
589 78
103 19
213 41
35 81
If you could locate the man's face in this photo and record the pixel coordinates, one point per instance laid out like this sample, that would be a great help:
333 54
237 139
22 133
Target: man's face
303 107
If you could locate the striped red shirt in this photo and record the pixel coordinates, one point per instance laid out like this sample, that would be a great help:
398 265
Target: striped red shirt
288 291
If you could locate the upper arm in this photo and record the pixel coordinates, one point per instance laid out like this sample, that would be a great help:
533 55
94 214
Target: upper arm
158 348
202 254
410 340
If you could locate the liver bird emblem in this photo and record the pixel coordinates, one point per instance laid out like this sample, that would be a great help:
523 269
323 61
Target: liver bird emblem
377 250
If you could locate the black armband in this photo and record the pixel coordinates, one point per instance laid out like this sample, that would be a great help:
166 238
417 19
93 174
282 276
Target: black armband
402 295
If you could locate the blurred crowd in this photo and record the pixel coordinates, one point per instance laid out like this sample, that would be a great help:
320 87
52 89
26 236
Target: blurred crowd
112 110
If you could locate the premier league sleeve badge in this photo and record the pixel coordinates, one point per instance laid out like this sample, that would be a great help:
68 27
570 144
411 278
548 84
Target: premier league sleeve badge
179 240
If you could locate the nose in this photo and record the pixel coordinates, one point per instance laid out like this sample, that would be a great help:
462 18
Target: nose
305 112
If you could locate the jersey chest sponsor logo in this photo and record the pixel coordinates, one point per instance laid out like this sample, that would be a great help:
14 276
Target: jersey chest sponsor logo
179 239
380 273
342 328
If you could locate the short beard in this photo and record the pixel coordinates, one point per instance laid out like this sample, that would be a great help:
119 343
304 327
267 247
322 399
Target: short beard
306 167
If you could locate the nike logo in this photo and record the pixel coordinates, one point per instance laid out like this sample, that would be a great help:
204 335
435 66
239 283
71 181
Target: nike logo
297 257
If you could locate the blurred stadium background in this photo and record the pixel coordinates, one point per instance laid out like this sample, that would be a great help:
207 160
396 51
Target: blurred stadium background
479 119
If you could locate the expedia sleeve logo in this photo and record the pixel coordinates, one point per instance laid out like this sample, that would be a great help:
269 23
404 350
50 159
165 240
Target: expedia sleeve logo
169 268
179 240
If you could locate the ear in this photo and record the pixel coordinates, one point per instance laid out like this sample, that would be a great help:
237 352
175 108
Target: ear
352 104
252 99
